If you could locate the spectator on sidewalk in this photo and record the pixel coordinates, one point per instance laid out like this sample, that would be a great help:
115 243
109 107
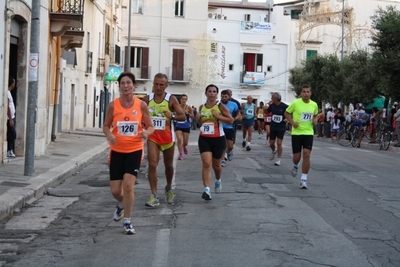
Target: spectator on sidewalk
11 122
320 125
397 120
125 115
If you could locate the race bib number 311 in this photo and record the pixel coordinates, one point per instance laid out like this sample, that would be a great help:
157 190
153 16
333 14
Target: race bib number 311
159 123
306 116
128 128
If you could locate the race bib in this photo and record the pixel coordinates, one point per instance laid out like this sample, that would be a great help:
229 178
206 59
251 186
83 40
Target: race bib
128 128
159 123
306 116
207 128
250 111
268 119
260 116
277 118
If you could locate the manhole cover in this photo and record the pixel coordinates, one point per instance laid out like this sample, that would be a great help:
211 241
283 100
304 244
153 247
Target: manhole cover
265 180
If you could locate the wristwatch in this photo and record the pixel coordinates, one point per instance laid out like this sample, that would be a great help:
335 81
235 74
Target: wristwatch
173 115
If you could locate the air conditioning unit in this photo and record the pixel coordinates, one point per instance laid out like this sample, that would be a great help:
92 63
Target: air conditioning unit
212 15
220 16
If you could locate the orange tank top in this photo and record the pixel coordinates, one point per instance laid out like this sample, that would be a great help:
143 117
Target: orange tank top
127 125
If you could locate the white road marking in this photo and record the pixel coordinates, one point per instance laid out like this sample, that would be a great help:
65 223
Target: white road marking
162 248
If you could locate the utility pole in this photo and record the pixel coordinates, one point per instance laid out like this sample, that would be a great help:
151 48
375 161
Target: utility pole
128 53
342 29
32 90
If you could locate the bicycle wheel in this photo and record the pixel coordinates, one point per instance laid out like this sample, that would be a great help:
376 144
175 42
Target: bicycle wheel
385 141
354 138
344 138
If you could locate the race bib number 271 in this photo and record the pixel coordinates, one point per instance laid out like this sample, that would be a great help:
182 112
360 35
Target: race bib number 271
306 116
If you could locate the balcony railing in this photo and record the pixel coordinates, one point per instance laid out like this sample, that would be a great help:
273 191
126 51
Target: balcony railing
178 74
89 60
70 6
143 73
66 19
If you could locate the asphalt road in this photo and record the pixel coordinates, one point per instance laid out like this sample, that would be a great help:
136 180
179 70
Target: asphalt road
349 216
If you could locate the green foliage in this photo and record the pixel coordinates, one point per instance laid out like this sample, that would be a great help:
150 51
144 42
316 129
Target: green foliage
386 43
359 77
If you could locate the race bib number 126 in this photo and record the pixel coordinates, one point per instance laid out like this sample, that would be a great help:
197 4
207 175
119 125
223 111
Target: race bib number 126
128 128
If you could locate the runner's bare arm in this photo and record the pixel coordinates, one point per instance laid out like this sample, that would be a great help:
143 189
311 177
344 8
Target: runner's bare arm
147 120
108 122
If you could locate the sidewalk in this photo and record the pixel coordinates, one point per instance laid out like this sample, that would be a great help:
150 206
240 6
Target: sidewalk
70 152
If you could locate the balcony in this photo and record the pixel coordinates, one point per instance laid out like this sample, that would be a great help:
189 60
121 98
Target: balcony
66 20
142 74
178 75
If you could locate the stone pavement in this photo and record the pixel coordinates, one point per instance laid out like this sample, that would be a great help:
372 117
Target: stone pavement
67 155
70 152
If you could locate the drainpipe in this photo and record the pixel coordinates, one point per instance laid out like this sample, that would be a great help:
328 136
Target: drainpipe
161 35
56 90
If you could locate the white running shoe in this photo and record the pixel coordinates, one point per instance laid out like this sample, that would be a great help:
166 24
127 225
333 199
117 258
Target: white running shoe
303 184
278 162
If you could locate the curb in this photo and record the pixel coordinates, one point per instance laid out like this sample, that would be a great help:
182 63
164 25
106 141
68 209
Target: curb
17 198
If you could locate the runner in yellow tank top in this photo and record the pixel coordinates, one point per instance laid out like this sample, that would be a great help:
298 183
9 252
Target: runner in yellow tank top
212 142
163 108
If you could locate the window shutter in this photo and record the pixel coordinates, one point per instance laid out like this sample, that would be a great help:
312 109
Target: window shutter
145 63
177 64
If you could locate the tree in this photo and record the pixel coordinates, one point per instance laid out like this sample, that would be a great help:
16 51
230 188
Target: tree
386 43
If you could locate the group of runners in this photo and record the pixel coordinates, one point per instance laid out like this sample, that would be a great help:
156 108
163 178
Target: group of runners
162 120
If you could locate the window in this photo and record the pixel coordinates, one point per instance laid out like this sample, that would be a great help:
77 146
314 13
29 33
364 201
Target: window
311 53
177 64
117 58
107 40
137 6
230 67
179 8
247 17
252 62
294 14
140 61
269 68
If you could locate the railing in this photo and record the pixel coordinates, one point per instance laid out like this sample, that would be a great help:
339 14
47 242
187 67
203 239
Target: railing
101 66
89 61
142 73
71 6
178 74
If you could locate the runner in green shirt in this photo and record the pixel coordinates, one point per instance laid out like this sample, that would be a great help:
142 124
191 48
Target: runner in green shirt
302 114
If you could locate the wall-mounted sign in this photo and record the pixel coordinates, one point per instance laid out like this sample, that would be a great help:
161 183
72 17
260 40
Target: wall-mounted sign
113 73
253 78
256 27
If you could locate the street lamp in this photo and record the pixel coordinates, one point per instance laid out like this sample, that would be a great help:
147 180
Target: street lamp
270 4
